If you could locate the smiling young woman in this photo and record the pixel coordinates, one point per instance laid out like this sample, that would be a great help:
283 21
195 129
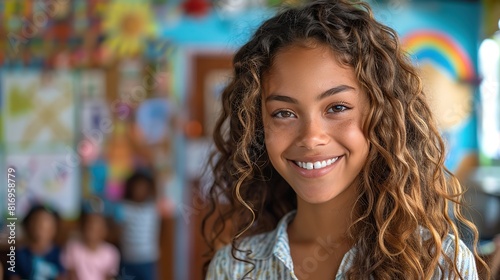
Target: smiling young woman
329 164
313 111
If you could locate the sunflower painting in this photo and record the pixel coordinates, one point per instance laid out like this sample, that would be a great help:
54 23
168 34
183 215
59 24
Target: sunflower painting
128 24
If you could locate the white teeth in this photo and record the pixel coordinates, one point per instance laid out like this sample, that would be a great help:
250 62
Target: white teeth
317 164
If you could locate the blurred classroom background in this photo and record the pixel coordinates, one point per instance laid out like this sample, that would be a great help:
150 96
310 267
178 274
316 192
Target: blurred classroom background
93 91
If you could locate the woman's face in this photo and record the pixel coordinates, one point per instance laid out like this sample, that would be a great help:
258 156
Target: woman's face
313 110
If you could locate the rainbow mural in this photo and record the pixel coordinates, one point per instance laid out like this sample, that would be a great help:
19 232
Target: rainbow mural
441 49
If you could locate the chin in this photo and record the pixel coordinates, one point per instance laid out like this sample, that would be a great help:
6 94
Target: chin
316 197
324 193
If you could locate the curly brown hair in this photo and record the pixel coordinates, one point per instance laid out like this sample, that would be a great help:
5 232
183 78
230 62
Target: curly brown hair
404 185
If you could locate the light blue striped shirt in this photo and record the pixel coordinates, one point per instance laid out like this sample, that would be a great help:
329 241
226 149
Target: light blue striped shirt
272 259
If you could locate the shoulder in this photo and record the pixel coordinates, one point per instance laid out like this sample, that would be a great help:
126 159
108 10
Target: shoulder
110 250
452 245
54 251
224 266
253 254
141 207
465 260
24 255
73 245
221 264
24 251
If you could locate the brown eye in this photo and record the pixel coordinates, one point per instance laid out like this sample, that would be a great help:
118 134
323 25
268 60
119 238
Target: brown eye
283 114
337 109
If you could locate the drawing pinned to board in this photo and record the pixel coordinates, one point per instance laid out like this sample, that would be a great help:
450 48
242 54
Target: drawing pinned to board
47 178
40 108
128 25
96 124
153 117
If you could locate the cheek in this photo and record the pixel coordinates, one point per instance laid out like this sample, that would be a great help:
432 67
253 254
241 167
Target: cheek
353 138
271 138
269 132
276 141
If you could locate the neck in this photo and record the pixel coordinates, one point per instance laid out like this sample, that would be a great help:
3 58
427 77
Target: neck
326 221
92 245
40 247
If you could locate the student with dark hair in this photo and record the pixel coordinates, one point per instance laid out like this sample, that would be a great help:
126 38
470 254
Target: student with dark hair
40 258
90 256
139 222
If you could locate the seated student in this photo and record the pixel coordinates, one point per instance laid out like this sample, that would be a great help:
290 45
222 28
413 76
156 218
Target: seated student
40 257
91 257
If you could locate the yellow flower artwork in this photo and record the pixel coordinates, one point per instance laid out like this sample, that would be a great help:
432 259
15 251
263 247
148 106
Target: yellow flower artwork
128 24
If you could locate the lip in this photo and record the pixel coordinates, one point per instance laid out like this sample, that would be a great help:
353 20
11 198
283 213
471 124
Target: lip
314 173
314 159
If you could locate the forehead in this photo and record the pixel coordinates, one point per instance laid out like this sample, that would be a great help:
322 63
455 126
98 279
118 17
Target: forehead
95 218
41 217
307 66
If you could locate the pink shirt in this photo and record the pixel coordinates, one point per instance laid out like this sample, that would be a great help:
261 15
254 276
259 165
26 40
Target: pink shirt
91 264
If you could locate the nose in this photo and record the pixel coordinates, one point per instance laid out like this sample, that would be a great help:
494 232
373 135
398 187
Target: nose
313 134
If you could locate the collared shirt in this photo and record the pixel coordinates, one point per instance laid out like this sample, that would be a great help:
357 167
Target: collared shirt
270 254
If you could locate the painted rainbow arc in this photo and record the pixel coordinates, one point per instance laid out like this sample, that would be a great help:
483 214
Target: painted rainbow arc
442 49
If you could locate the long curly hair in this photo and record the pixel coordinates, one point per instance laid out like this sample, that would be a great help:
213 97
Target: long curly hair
404 185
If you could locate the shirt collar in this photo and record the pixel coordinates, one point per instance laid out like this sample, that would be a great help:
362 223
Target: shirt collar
276 241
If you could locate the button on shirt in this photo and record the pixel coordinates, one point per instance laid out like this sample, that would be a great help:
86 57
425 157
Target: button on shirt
270 255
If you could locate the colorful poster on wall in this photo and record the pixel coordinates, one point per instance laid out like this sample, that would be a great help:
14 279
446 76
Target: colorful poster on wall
448 75
49 179
444 47
39 110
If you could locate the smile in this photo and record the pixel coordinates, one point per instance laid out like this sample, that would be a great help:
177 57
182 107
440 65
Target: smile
317 164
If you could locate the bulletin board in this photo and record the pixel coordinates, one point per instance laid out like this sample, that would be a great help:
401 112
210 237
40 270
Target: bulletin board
38 124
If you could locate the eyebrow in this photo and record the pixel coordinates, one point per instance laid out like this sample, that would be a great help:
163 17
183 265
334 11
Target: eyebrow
327 93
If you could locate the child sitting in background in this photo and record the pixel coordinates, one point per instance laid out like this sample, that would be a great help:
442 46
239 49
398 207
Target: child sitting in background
40 258
91 257
140 225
